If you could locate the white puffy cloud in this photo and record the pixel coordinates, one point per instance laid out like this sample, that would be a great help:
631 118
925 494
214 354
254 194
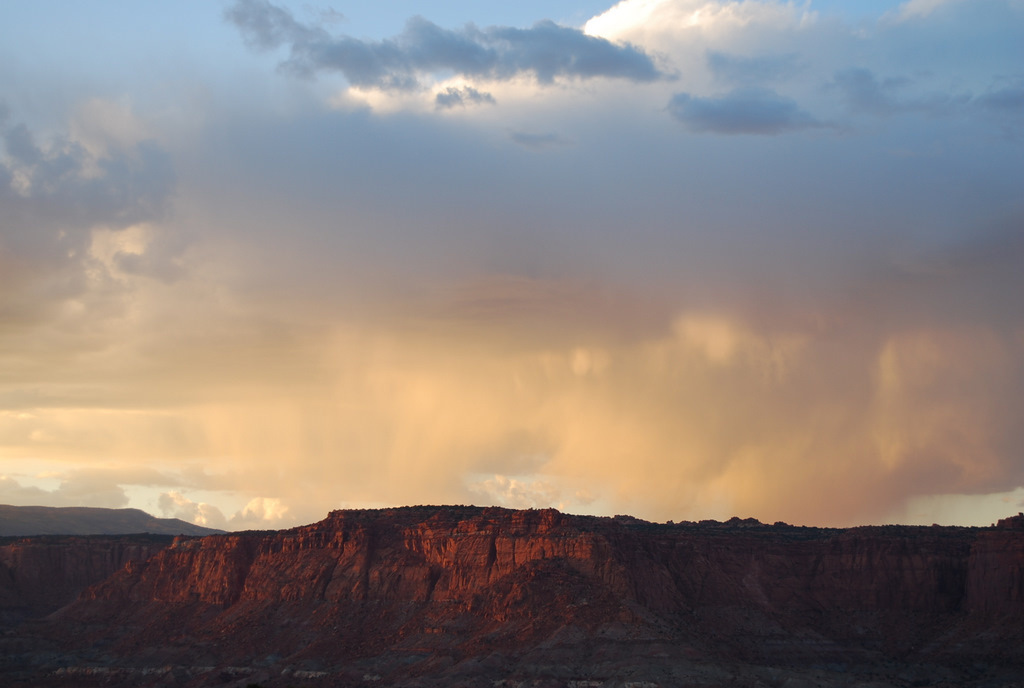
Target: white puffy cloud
654 22
261 513
176 505
517 494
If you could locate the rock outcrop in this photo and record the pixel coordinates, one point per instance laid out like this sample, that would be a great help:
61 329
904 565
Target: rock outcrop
443 595
42 574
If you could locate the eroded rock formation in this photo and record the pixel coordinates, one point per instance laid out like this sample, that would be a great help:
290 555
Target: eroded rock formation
39 575
441 595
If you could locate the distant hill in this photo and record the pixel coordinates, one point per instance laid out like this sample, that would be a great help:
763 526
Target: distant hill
81 520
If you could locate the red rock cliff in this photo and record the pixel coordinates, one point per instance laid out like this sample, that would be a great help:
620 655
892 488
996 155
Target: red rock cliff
41 574
448 555
429 587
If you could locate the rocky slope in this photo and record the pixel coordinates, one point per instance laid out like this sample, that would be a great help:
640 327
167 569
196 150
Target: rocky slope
472 596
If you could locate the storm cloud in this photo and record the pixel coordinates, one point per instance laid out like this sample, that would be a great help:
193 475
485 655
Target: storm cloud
690 259
546 50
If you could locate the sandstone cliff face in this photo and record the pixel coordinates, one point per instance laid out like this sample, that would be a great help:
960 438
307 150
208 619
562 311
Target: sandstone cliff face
41 574
429 591
397 556
996 581
450 555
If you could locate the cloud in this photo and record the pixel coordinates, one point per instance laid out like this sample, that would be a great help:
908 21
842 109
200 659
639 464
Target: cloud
261 513
919 9
546 50
12 492
217 276
683 30
176 505
101 125
87 488
467 95
516 494
83 487
632 18
53 194
265 26
752 71
1008 99
1005 103
742 111
65 183
863 92
536 141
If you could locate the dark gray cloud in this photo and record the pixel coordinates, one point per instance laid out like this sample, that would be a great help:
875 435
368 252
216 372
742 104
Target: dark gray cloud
741 111
546 50
864 92
750 71
467 95
266 27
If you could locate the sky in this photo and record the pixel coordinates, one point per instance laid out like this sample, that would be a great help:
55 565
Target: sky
679 259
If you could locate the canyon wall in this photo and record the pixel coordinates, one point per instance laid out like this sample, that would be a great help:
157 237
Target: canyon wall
448 555
38 575
436 591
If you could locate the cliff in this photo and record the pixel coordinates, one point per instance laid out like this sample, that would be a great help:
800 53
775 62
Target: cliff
42 574
442 595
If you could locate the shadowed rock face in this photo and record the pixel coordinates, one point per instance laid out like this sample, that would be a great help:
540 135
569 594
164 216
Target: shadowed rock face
42 574
436 595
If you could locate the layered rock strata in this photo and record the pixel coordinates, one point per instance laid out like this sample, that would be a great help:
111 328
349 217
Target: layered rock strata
435 595
39 575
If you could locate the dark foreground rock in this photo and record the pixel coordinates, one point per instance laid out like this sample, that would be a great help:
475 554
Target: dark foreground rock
445 596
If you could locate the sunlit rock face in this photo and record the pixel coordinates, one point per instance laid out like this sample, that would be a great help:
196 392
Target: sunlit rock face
435 595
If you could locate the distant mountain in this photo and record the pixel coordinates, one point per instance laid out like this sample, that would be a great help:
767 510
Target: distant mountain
81 520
